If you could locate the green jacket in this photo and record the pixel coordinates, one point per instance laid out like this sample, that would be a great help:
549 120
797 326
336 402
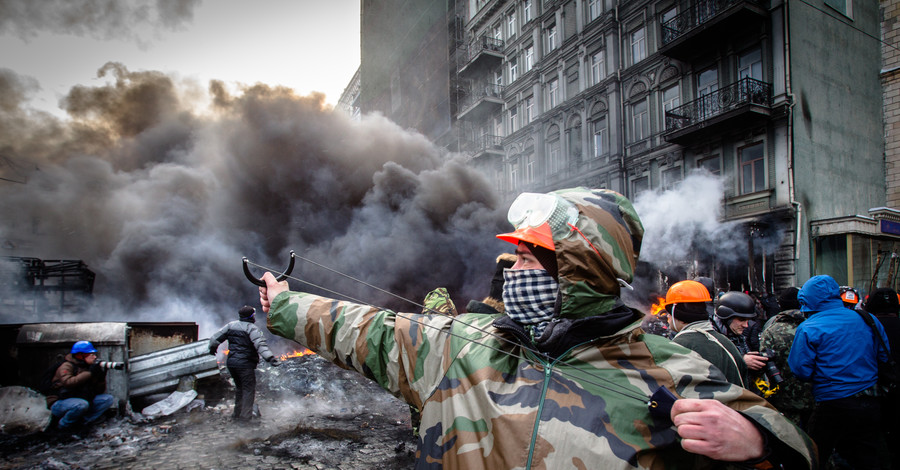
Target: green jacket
713 346
577 397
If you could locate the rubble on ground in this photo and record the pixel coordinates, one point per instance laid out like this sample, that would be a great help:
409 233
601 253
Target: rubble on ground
314 415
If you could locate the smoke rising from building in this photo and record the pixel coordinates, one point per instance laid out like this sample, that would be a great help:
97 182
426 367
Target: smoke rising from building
162 201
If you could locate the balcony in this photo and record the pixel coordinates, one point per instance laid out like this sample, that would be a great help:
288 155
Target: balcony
484 53
706 22
741 103
484 145
482 101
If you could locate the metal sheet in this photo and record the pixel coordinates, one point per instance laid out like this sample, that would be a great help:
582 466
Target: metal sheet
160 371
107 333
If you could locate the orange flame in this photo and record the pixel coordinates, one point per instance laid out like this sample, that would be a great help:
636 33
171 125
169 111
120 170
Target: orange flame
658 308
296 353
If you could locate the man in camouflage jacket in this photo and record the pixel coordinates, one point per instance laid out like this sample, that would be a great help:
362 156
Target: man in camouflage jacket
794 397
575 396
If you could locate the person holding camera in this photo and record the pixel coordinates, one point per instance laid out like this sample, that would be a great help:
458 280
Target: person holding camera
77 395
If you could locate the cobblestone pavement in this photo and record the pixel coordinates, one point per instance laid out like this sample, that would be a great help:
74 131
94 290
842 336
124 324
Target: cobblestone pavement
347 426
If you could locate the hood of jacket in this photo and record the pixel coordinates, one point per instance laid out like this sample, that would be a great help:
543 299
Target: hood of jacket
602 249
820 293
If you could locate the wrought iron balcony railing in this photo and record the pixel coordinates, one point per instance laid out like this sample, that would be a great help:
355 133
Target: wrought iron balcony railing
698 13
485 44
743 92
480 92
484 143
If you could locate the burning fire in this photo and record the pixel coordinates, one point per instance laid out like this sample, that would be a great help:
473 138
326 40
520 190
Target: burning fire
658 308
296 353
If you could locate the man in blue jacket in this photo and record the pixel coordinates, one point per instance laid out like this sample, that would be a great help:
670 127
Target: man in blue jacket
836 351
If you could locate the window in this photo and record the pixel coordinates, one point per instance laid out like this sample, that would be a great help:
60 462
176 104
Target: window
553 156
514 175
529 109
669 15
595 7
752 169
750 65
844 7
498 77
640 121
671 99
513 69
526 11
601 137
529 168
598 67
711 164
513 119
511 24
670 177
639 185
573 136
553 163
497 32
528 59
707 84
638 45
550 37
552 93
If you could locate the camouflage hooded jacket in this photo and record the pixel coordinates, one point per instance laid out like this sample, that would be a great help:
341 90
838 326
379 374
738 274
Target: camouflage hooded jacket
577 397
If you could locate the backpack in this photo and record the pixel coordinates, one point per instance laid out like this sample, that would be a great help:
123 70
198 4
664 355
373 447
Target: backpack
45 385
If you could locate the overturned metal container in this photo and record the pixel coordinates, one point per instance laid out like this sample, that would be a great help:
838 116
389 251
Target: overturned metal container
160 371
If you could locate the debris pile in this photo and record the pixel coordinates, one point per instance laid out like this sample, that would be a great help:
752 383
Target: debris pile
314 415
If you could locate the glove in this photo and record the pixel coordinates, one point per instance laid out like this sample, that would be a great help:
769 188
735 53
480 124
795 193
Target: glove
96 370
274 362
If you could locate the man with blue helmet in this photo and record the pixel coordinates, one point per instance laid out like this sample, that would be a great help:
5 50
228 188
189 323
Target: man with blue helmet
77 395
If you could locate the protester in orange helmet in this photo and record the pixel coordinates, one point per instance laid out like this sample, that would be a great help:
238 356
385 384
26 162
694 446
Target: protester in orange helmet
686 303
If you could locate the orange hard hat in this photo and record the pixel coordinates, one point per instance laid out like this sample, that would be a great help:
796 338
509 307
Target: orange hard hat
687 291
849 295
540 236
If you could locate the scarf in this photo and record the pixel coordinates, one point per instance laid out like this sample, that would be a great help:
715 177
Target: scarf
529 296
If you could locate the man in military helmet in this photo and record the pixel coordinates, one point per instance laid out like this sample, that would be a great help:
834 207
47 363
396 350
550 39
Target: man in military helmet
563 378
734 311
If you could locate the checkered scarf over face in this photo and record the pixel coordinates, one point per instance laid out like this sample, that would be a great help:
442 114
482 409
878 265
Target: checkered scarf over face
529 296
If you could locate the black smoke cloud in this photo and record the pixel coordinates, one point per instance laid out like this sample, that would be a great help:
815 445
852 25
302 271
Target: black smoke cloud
162 200
100 19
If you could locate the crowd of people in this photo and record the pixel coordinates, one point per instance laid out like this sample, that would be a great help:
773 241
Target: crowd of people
815 358
553 370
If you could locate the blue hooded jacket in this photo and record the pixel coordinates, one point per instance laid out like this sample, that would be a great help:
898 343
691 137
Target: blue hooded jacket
834 349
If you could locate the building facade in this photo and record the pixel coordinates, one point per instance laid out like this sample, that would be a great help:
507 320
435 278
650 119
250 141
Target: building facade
781 98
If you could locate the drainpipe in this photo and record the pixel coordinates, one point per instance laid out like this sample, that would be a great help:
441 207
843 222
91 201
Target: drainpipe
798 208
622 129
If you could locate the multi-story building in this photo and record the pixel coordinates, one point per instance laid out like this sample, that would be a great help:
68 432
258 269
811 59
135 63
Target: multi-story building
781 98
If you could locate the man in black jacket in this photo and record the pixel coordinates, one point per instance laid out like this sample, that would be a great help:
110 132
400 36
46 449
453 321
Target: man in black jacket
245 344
